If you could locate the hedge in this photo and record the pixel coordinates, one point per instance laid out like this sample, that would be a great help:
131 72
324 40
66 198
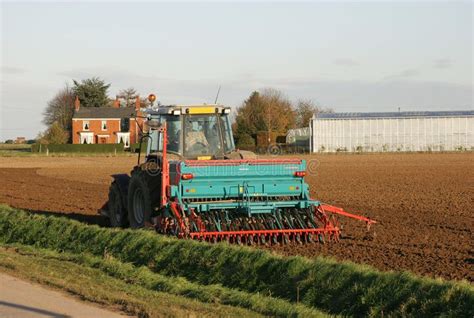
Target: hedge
134 147
341 288
92 148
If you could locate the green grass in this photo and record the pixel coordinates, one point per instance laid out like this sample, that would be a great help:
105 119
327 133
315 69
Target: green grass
144 277
335 287
94 285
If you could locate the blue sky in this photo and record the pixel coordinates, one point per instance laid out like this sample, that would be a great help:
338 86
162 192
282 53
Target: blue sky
351 56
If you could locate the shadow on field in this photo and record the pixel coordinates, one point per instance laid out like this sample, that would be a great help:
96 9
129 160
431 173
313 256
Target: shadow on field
84 218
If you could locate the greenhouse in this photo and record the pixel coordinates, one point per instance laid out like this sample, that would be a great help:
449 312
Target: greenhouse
392 131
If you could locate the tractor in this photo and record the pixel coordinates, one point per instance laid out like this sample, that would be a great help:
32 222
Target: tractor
193 183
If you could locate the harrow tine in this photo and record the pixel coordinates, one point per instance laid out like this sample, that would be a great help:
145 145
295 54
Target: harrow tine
321 238
250 239
274 239
298 238
238 240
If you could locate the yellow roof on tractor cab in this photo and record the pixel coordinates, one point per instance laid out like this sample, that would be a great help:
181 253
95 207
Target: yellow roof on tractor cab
193 109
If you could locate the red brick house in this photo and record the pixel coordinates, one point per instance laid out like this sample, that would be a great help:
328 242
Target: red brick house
106 125
20 140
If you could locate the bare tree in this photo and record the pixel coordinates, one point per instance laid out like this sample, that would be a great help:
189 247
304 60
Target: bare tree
60 109
55 134
278 115
128 95
306 109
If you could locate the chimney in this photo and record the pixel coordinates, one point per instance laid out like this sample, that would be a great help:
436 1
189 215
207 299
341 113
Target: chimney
116 103
77 103
137 103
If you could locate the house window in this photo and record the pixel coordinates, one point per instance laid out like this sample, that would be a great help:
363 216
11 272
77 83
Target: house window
123 138
85 125
125 125
86 138
104 125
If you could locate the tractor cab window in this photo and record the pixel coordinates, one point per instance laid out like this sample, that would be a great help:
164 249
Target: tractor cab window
174 132
194 136
227 134
202 136
154 142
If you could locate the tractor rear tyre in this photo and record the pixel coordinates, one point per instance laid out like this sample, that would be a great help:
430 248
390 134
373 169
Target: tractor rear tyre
139 201
117 212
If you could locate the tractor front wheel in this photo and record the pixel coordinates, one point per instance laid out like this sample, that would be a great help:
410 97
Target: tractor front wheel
139 201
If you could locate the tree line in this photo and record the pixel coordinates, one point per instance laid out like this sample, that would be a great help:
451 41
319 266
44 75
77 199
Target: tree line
271 111
266 111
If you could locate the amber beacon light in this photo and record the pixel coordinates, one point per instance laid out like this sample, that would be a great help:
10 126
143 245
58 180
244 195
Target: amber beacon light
151 98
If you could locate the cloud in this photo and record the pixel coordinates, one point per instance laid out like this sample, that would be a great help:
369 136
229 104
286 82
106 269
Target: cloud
345 62
12 70
353 96
442 63
168 90
408 73
400 89
343 96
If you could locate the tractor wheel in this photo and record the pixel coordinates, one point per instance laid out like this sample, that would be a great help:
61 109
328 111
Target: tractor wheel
139 201
117 211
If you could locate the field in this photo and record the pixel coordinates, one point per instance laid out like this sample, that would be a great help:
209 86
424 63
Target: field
424 203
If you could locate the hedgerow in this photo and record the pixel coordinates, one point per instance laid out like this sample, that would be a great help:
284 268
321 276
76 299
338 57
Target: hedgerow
336 287
89 148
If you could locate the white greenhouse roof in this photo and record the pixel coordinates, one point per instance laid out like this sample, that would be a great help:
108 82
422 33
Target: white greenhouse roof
460 113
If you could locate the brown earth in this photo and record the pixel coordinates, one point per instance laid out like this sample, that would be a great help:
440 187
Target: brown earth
424 203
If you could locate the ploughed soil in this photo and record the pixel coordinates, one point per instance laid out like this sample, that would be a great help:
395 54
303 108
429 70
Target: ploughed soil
423 203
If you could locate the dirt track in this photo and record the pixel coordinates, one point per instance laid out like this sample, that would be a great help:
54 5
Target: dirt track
424 203
22 299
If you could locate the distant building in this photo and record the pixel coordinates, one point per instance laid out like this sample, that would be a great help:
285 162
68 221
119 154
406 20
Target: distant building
20 140
106 125
393 131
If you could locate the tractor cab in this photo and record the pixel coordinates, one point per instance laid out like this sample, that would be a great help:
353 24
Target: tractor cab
193 131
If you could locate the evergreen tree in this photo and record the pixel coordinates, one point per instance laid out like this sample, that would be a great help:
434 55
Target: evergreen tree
92 92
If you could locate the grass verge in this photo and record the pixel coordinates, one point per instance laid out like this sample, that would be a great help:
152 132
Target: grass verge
335 287
91 284
142 276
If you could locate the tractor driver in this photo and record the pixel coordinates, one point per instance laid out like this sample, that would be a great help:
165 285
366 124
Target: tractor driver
195 140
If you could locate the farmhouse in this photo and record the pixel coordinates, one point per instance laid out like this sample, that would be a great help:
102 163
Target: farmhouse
106 125
20 140
392 131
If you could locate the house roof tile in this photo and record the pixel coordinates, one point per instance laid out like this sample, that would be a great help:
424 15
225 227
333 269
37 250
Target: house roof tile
104 112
